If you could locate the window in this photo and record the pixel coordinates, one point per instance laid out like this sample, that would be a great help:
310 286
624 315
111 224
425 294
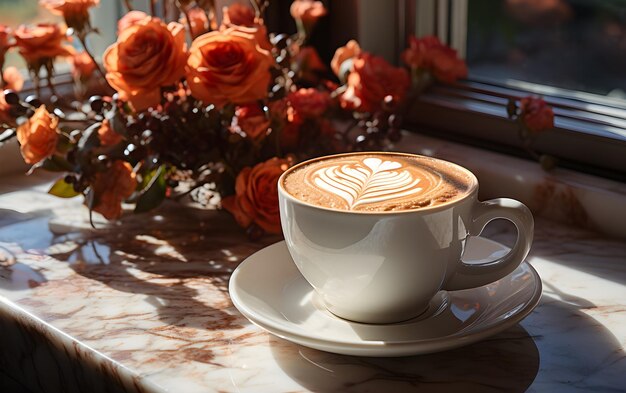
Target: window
574 45
14 13
571 52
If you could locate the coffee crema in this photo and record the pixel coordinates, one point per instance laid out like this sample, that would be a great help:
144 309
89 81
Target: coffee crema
377 182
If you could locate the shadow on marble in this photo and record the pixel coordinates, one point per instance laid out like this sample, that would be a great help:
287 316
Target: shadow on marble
163 260
578 353
9 216
508 361
27 229
165 255
556 345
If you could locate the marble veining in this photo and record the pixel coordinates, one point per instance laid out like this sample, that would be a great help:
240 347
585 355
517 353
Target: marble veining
142 306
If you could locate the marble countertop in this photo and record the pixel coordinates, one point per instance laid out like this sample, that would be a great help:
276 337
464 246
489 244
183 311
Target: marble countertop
142 306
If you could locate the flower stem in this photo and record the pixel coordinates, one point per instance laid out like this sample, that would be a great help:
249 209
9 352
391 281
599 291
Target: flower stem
255 5
49 74
183 10
212 15
82 38
35 77
188 22
259 7
153 7
3 83
128 6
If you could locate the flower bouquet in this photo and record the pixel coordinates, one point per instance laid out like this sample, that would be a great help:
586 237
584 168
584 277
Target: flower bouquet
193 106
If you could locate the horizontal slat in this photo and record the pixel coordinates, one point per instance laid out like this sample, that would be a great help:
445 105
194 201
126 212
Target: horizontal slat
582 141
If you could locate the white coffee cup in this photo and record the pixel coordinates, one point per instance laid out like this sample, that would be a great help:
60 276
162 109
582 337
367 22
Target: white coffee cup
385 267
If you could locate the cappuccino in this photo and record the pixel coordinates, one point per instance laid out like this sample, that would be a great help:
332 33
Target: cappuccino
377 182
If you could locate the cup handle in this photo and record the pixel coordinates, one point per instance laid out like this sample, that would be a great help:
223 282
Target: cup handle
476 275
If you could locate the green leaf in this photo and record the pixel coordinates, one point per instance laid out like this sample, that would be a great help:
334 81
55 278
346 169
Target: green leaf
154 192
52 164
63 189
63 144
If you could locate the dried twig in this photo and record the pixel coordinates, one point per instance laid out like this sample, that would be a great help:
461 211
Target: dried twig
164 10
49 73
82 38
183 10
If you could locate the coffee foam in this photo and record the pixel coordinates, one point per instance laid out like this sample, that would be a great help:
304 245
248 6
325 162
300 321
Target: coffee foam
377 182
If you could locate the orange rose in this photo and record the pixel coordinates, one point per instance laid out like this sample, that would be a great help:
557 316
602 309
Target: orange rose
146 56
111 187
5 114
536 114
228 66
107 136
259 32
75 12
251 120
371 79
198 21
13 79
129 19
343 54
256 195
430 54
38 136
242 18
309 103
239 15
41 43
5 44
307 11
82 66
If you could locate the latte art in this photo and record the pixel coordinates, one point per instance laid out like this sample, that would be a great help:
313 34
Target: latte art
371 182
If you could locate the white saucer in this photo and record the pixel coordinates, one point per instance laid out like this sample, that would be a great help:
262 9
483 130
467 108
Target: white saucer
269 290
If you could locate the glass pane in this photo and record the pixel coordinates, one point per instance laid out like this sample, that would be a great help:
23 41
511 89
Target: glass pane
573 44
14 13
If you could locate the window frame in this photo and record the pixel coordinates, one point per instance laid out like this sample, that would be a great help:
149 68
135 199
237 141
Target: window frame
590 130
